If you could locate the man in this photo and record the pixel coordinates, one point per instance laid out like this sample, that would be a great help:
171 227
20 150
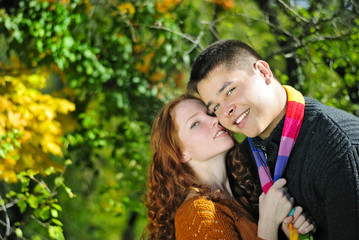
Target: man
322 171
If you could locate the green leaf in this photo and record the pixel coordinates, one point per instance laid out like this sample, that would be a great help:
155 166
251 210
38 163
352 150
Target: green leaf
57 207
49 171
18 232
69 192
59 181
10 194
22 205
33 201
44 213
54 213
24 180
68 42
55 232
68 162
56 221
16 143
2 153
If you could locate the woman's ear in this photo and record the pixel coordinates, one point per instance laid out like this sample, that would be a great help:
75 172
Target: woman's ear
265 71
185 158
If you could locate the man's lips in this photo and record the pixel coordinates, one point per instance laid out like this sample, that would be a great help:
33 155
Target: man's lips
241 117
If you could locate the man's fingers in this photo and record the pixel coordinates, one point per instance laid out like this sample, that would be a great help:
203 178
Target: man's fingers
279 183
284 190
311 226
303 228
288 220
298 210
299 221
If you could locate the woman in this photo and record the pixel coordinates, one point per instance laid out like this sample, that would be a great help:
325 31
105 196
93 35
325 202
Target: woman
189 193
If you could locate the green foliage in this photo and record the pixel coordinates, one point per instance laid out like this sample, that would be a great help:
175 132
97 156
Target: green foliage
9 141
37 203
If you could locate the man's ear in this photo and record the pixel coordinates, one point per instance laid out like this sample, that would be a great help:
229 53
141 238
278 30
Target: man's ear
265 71
185 158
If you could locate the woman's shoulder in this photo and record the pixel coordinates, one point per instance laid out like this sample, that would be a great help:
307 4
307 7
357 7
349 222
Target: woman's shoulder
202 209
198 204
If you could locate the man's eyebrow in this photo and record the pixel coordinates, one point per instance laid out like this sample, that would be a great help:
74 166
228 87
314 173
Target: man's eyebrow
219 92
223 87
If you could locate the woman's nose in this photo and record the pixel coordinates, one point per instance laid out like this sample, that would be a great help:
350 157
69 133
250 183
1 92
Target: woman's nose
214 121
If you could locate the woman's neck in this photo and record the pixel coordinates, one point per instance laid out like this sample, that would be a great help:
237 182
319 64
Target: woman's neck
213 173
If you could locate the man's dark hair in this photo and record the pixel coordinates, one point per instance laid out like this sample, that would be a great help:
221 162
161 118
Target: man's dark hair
231 54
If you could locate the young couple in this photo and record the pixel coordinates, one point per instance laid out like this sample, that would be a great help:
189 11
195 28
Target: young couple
204 185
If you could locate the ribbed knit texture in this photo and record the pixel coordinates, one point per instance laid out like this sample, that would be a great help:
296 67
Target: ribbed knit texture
203 219
323 170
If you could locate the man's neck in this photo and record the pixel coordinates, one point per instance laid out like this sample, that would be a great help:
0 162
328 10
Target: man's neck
282 108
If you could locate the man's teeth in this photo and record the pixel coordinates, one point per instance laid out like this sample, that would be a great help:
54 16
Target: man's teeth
220 133
242 116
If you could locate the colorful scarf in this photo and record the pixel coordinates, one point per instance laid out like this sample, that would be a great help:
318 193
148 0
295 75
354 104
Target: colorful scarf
292 123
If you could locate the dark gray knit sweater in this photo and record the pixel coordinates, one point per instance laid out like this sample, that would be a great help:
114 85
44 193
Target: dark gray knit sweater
323 169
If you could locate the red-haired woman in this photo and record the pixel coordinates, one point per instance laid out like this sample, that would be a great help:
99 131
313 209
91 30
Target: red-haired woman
189 194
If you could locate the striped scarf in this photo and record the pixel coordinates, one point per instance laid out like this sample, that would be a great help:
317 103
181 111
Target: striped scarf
292 123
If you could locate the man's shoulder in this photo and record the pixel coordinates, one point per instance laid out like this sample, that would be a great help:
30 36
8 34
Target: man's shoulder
313 106
326 119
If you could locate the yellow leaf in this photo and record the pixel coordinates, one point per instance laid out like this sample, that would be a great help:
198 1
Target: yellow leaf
225 4
64 106
166 5
36 81
24 107
127 8
158 76
15 119
52 147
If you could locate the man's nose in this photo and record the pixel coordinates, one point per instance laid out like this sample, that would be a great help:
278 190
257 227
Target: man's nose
229 110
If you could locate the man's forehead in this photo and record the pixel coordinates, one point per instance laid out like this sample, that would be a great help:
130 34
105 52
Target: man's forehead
209 89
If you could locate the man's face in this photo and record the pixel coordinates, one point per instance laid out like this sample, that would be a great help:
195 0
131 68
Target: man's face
244 103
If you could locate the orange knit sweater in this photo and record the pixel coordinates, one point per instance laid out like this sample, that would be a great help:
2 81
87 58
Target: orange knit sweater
201 219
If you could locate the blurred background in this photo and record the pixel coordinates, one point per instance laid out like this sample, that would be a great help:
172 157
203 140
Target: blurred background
80 83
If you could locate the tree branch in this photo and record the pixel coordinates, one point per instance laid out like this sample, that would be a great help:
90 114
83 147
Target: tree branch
7 219
294 12
294 47
158 25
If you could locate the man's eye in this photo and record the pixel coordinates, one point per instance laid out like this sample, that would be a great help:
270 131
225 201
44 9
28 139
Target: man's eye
194 124
212 114
216 108
230 92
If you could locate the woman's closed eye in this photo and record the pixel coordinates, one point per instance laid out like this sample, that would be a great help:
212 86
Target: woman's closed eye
194 124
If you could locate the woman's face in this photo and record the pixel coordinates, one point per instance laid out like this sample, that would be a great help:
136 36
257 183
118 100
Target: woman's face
201 135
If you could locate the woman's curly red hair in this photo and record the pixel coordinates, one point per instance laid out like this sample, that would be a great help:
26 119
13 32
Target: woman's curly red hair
170 180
